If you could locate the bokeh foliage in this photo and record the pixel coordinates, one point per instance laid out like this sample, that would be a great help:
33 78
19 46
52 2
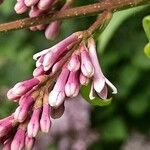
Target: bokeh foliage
122 59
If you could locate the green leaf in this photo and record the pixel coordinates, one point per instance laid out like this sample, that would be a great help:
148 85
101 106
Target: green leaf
115 23
147 50
146 25
85 90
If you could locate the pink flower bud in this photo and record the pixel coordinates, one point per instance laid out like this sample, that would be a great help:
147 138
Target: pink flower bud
72 86
30 2
74 63
45 122
23 87
18 141
58 112
25 97
38 71
56 51
20 7
6 126
56 98
22 111
49 59
58 65
29 143
6 119
86 64
34 12
52 30
12 96
57 95
60 47
45 4
83 79
34 123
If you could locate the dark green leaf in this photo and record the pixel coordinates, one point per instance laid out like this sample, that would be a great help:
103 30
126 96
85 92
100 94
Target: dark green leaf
85 90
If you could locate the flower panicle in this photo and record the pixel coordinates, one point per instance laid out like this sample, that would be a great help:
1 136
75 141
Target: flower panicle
55 79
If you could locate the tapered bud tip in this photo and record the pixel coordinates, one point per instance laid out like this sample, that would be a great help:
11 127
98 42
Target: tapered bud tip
71 90
74 63
21 113
86 63
20 7
49 60
45 125
38 71
52 30
83 79
18 140
56 98
12 96
25 86
29 143
99 84
45 122
33 126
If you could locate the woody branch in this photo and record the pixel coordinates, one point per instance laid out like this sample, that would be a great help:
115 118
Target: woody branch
93 9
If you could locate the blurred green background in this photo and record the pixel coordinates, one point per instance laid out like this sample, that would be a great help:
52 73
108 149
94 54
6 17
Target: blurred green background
122 58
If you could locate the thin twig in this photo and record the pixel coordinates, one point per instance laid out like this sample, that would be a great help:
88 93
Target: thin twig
113 5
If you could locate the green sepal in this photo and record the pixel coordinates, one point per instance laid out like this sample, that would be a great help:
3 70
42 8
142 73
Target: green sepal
85 90
147 50
146 25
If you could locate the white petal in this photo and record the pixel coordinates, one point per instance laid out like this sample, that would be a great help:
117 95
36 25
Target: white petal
37 55
38 64
114 89
91 94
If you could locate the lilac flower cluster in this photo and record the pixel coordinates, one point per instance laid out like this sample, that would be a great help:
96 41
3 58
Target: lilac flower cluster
40 7
82 67
39 100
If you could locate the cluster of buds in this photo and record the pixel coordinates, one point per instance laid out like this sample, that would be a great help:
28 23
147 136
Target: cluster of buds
55 79
41 7
82 66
